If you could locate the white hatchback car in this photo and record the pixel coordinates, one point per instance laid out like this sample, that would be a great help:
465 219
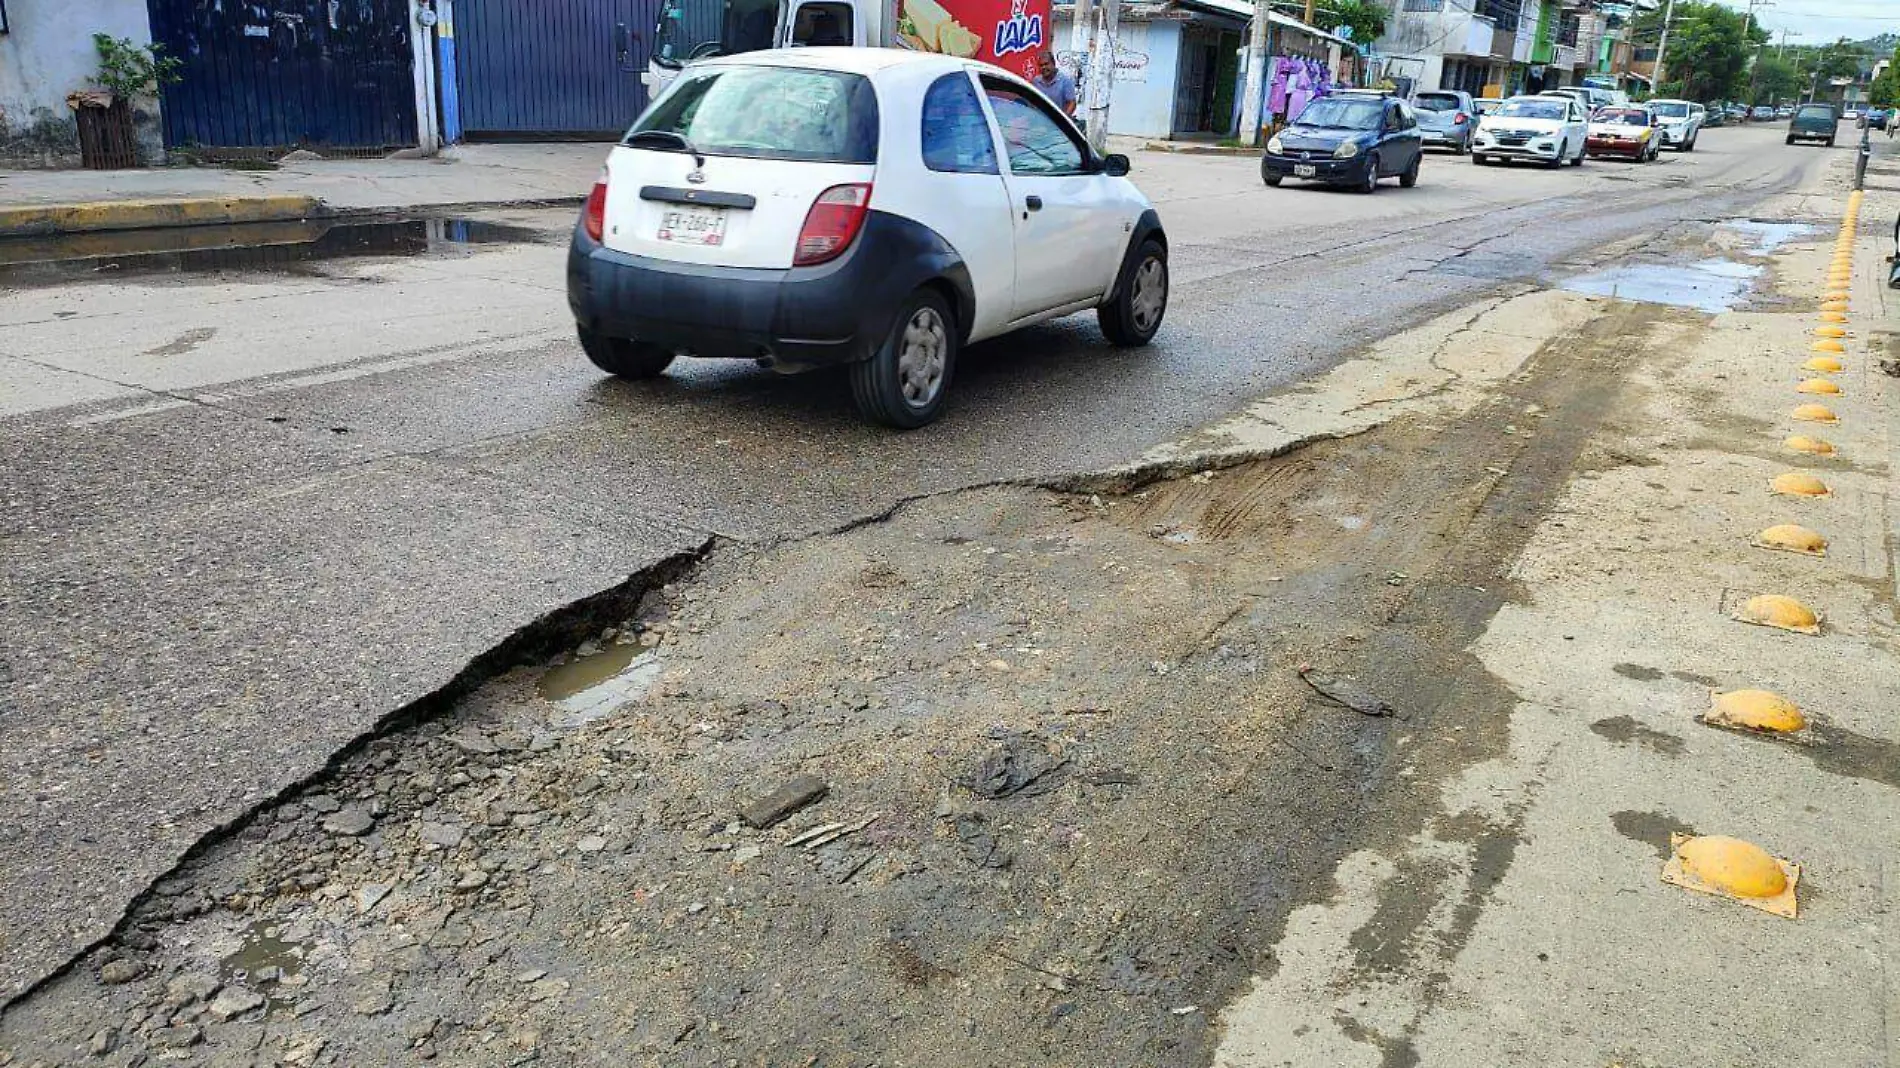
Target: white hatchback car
1549 128
862 206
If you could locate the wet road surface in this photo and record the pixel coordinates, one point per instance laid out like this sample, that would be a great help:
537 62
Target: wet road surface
255 509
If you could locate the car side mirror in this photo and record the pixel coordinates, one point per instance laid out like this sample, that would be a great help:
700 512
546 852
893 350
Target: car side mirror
1115 165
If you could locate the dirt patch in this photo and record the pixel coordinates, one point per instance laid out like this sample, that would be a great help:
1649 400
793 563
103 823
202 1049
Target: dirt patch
1075 785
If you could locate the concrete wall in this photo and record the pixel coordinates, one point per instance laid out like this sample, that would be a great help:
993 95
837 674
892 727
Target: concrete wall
1142 103
49 53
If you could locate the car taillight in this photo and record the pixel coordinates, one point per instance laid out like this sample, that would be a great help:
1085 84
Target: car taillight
594 215
832 223
1458 119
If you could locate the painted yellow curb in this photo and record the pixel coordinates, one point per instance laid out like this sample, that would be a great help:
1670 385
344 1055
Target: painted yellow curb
38 220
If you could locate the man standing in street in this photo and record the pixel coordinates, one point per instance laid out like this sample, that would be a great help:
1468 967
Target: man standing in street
1055 83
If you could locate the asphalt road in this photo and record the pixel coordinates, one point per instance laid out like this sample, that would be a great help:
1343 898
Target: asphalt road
251 512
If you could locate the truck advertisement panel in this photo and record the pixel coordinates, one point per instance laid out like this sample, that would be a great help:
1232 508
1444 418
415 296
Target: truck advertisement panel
1009 33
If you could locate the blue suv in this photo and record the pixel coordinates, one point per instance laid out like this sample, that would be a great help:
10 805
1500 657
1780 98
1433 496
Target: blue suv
1349 138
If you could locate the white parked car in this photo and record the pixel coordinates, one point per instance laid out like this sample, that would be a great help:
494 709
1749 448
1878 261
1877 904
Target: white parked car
1681 122
862 206
1551 129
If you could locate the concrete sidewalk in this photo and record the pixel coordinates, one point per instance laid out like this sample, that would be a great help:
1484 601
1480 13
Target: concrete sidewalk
463 175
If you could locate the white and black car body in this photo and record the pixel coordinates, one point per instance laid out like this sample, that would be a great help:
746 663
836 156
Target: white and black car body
997 238
1681 122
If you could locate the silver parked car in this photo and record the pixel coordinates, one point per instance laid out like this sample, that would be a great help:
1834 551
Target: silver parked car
1447 118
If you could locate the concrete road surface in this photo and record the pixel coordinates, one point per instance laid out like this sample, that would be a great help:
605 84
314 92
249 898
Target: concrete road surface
262 504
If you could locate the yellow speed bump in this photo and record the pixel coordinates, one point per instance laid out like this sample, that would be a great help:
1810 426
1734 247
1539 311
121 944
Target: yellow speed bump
1825 364
1838 304
1839 291
1815 413
1754 710
1779 612
1804 443
1835 332
1819 385
1791 538
1833 317
1729 867
1827 344
1798 484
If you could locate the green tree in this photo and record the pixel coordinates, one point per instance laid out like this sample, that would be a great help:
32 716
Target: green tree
1885 90
1366 18
1709 48
1774 79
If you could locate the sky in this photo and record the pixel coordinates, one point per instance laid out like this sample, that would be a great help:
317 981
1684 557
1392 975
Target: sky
1816 21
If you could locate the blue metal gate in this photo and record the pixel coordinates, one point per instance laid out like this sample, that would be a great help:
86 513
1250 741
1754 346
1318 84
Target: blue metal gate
551 67
305 73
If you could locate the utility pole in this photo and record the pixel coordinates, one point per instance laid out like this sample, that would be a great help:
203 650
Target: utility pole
1782 48
1309 12
1254 85
1104 32
1662 49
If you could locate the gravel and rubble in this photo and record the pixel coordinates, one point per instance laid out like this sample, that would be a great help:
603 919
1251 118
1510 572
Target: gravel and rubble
1032 776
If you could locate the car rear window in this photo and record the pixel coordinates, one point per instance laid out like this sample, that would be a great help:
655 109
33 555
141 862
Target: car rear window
1437 102
1812 112
789 113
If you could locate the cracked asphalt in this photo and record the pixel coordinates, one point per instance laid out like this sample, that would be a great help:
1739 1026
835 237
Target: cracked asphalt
253 513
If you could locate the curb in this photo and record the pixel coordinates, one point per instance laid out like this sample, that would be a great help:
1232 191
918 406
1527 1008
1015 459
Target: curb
1183 149
43 220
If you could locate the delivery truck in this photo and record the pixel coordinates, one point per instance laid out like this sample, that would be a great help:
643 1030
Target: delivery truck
1011 34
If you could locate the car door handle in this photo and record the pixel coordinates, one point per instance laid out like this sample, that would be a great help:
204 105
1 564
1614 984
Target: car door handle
1033 203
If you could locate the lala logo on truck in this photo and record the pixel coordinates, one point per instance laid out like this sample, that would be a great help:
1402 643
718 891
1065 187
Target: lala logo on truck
1019 33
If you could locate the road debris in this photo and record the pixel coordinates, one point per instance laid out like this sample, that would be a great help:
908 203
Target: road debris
1345 692
788 798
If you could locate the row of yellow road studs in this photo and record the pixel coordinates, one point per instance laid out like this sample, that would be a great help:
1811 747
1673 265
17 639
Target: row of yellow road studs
1718 864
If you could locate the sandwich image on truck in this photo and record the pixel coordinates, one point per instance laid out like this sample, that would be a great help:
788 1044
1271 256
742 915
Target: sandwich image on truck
1008 33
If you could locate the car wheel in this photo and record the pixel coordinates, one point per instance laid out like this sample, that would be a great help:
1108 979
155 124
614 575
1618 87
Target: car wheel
904 382
1479 159
1273 180
1410 177
1830 142
1791 139
1689 145
1371 182
623 357
1582 151
1134 313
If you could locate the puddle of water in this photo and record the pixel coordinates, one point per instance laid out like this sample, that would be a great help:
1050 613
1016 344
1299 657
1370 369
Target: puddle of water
587 688
259 248
1768 234
265 957
1710 285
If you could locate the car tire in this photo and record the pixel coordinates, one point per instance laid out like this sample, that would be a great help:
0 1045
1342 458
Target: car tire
1791 139
1479 159
1582 151
1371 182
1133 314
1689 145
1409 177
1273 180
1830 142
904 383
623 357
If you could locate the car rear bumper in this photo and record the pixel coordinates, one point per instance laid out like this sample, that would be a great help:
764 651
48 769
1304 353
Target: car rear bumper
1325 169
793 319
1442 137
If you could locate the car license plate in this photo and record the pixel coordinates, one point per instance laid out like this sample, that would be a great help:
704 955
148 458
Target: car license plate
1304 170
692 226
